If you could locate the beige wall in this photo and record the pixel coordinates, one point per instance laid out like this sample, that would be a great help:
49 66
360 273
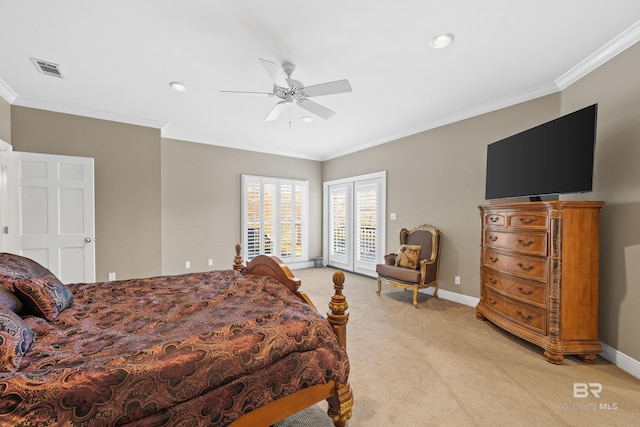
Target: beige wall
127 182
5 120
161 202
201 194
437 177
616 88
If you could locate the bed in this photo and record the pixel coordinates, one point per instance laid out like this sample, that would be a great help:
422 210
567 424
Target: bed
238 347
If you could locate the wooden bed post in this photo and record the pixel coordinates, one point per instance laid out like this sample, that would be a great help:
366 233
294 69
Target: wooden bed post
338 305
237 260
341 402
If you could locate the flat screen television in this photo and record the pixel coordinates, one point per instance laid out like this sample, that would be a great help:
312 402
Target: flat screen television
553 158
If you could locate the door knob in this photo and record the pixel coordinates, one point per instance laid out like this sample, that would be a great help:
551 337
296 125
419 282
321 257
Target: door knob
87 239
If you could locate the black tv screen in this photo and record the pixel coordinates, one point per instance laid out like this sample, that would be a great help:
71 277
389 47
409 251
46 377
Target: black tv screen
553 158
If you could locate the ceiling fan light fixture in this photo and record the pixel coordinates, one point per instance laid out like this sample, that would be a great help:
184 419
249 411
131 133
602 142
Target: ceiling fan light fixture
288 99
180 87
306 119
442 40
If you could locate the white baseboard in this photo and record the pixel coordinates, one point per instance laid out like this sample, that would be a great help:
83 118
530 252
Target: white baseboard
621 360
299 265
455 297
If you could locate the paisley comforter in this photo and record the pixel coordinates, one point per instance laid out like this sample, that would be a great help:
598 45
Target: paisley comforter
195 349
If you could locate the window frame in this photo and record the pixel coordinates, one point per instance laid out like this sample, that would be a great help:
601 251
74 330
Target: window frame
298 218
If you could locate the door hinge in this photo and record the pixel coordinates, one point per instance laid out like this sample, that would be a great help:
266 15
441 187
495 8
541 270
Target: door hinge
5 229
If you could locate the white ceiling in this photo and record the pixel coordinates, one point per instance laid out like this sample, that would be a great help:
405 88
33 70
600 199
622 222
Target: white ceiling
118 56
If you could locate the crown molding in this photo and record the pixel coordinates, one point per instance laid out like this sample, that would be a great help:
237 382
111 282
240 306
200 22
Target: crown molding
87 112
518 98
622 41
7 93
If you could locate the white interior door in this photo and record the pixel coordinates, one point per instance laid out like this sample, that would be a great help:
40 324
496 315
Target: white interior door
355 223
51 213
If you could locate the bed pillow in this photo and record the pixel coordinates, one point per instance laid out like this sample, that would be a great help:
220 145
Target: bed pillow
15 267
10 300
43 296
408 256
15 339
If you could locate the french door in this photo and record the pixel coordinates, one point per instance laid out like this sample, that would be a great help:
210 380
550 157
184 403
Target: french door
355 223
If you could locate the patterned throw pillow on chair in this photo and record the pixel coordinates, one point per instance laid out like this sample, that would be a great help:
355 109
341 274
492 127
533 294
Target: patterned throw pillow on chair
408 256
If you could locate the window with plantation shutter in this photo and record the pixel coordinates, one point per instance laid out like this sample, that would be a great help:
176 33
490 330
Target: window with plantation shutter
339 212
275 213
366 222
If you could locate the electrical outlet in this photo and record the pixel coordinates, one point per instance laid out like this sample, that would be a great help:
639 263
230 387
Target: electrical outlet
112 277
457 280
210 262
187 264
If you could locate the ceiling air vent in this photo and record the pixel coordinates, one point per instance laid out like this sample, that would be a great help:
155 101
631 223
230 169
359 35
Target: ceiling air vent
48 68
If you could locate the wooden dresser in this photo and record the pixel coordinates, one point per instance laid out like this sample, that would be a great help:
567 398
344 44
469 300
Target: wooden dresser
539 274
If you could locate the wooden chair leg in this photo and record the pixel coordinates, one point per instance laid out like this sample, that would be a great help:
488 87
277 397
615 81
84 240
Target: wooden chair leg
415 296
379 286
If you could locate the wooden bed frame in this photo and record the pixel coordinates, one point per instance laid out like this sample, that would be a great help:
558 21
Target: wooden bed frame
339 396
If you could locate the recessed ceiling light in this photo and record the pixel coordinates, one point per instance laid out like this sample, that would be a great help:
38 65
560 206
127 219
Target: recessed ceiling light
181 87
306 119
441 41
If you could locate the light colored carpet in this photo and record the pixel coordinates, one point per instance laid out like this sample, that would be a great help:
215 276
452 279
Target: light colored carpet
437 365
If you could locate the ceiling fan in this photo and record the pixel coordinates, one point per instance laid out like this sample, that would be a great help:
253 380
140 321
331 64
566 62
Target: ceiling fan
292 92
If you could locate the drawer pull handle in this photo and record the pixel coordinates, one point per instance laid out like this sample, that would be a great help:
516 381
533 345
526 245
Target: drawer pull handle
522 316
493 238
527 292
527 221
494 218
527 268
492 301
527 243
493 281
493 258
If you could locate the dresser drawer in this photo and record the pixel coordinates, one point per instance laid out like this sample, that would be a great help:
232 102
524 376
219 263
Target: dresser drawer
524 266
531 243
535 293
524 314
495 218
527 219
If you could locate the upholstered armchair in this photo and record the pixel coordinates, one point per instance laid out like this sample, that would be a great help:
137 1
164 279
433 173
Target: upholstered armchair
415 266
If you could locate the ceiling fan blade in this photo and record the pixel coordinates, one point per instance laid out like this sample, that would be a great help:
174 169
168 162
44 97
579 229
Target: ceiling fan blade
339 86
242 91
275 72
276 111
315 108
294 83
